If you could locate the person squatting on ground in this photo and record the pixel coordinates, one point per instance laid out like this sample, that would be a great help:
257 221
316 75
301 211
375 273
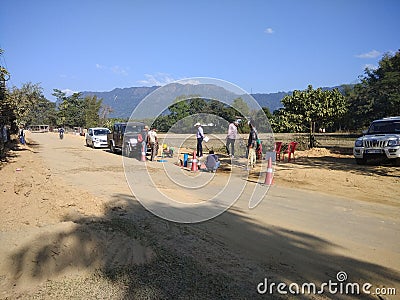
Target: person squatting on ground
231 137
200 137
212 162
167 151
251 145
153 143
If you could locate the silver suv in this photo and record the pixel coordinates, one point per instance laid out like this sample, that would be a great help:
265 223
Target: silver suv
381 140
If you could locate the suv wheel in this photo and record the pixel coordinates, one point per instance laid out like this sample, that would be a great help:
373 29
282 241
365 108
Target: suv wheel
361 161
396 162
112 148
125 151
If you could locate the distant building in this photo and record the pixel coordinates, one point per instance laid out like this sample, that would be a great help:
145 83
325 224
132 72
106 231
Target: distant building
39 128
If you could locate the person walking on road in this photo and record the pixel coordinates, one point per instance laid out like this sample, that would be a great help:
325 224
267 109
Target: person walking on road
251 146
231 137
21 135
200 137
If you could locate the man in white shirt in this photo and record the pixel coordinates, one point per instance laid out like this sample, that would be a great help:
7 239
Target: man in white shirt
200 137
153 143
231 137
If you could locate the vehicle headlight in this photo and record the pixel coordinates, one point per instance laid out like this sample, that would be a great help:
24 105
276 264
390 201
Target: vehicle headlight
96 139
358 143
392 143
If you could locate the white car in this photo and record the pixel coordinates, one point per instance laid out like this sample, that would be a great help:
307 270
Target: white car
97 137
381 140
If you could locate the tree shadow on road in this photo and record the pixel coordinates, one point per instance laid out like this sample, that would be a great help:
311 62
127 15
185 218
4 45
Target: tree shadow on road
223 258
9 150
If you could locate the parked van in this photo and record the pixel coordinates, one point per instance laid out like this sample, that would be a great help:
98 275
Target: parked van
97 137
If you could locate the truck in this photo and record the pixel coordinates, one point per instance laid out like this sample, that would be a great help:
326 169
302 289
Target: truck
126 138
380 141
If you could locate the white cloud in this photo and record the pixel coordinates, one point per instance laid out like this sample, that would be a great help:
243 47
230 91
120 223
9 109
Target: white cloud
68 92
269 30
114 69
189 81
371 54
158 79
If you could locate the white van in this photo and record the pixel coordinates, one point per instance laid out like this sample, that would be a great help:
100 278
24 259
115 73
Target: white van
97 137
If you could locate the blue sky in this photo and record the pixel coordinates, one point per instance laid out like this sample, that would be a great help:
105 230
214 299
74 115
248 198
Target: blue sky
261 46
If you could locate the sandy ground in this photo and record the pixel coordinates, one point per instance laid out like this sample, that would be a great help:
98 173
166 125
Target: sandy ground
70 228
330 172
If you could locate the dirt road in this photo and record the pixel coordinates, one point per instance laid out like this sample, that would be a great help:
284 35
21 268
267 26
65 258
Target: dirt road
68 219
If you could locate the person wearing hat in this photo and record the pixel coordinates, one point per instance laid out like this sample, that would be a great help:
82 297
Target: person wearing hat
231 137
200 137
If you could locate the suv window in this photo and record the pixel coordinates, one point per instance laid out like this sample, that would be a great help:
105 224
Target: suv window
132 128
100 131
384 127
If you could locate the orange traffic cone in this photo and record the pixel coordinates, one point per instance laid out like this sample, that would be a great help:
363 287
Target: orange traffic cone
143 158
270 173
194 163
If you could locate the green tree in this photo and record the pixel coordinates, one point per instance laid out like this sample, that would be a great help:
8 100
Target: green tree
4 76
198 105
75 111
377 95
179 109
226 112
7 115
241 106
44 112
285 121
91 106
24 101
311 107
70 109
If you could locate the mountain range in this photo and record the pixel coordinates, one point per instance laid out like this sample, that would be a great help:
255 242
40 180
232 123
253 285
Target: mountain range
124 100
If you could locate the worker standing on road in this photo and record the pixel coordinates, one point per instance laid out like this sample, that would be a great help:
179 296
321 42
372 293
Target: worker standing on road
200 137
251 146
145 138
21 135
231 137
153 143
